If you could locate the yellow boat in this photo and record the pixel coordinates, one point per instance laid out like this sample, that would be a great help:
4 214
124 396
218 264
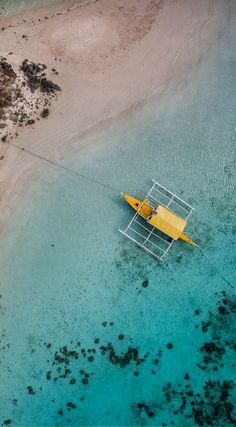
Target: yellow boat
160 220
168 222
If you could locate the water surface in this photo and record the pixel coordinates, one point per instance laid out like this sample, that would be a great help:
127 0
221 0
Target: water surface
95 331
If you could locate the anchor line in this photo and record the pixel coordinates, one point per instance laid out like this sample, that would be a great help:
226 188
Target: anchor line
65 168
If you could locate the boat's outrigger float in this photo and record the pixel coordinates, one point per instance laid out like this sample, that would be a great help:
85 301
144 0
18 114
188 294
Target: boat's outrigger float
160 219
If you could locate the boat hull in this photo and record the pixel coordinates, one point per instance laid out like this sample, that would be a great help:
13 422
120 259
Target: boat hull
145 210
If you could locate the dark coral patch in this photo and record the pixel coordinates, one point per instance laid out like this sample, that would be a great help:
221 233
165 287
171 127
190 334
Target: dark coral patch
31 390
125 359
145 283
169 345
71 405
147 409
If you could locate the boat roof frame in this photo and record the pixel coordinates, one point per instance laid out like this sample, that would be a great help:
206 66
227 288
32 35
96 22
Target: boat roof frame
154 234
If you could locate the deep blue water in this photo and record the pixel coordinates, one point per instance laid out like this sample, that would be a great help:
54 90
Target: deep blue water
166 350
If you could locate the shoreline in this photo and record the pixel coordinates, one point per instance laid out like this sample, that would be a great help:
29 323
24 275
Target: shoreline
111 58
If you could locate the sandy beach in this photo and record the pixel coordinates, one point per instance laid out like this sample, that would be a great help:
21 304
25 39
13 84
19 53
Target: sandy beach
109 57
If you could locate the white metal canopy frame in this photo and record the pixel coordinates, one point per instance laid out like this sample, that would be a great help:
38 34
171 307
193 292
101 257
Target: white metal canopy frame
144 234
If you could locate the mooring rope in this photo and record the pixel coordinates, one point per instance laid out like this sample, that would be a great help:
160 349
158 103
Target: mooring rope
65 168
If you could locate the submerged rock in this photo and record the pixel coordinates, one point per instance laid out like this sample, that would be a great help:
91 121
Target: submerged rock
31 390
169 345
145 283
123 360
148 409
7 422
71 405
121 337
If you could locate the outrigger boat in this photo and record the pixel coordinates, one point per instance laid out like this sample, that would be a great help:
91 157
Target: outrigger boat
160 219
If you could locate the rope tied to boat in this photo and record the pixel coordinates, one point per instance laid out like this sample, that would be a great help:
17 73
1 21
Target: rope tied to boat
65 168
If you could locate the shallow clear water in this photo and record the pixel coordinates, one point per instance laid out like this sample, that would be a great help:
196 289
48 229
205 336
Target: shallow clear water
65 270
7 6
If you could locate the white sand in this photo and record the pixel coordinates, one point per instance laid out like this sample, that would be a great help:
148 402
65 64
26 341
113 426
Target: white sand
112 55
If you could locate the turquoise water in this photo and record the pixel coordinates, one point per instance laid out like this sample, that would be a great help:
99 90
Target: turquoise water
165 354
7 6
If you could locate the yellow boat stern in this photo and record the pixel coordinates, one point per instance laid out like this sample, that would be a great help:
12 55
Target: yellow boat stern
187 239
